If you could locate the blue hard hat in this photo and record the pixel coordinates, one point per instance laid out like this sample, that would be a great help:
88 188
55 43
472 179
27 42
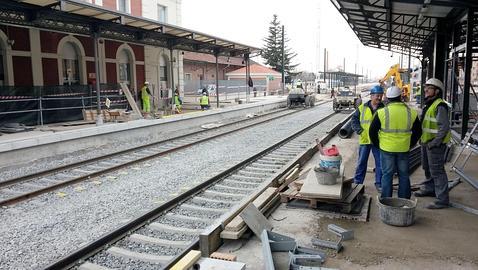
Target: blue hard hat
376 89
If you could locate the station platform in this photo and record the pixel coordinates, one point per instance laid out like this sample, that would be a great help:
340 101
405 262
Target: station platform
439 239
61 138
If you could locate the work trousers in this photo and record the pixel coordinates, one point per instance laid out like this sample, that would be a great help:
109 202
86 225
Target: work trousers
364 152
433 163
391 163
146 105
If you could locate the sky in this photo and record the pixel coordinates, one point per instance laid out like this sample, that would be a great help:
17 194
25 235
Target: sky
247 22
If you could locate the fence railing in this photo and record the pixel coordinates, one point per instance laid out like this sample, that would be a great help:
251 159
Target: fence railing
54 104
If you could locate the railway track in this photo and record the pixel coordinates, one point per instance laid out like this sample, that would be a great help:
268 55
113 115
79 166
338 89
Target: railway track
28 186
157 239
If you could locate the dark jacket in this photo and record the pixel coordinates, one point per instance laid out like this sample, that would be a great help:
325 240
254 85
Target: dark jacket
355 121
376 125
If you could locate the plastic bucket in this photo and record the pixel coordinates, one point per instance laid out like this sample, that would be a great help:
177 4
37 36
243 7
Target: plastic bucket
326 176
396 211
330 161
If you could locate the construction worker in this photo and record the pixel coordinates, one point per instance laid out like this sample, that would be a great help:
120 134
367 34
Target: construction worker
435 135
177 101
361 120
145 94
395 128
204 101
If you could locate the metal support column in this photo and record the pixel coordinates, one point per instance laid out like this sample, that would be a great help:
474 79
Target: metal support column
283 61
99 119
439 48
248 74
468 63
422 83
216 54
171 59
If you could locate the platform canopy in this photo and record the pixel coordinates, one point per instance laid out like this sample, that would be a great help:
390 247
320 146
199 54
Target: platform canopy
80 17
403 26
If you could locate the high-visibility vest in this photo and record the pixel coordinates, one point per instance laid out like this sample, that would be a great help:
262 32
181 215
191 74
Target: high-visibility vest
365 120
204 100
144 93
430 125
395 132
176 100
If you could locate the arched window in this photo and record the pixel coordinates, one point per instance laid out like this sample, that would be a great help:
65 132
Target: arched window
124 67
71 68
163 69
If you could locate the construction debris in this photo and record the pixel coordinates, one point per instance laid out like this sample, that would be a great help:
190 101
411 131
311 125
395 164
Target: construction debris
341 232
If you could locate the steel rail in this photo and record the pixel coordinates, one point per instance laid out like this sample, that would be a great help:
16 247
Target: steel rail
83 177
108 239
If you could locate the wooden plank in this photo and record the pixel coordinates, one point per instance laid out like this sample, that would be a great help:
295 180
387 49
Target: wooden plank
256 221
213 264
187 261
313 189
237 223
130 99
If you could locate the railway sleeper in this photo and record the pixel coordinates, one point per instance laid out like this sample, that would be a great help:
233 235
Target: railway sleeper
192 207
253 179
143 239
128 254
92 266
259 169
253 174
223 194
233 182
234 189
200 200
173 229
186 218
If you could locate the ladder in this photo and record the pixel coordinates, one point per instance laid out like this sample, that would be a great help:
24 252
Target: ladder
458 167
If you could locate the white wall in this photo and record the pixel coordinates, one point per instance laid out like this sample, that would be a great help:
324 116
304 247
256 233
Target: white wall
150 10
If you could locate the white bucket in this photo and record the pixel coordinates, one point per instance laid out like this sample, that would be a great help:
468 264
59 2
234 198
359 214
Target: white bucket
330 161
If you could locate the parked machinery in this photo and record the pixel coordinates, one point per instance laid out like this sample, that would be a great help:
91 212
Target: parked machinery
401 79
345 99
300 97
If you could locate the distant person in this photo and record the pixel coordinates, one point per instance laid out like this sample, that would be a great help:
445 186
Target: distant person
395 129
177 101
204 101
361 120
145 98
332 93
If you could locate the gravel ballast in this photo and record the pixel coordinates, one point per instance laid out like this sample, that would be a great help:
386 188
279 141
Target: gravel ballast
39 231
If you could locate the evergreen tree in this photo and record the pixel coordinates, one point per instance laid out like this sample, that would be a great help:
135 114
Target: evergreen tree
272 51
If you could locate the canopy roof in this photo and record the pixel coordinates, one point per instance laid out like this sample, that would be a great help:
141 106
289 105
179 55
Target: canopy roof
398 25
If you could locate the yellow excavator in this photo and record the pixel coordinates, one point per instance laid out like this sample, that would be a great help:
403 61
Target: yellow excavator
401 79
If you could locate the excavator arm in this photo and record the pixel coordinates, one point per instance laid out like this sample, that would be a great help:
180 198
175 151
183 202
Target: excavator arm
395 72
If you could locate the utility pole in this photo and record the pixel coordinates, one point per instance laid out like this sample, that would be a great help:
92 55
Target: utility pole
283 73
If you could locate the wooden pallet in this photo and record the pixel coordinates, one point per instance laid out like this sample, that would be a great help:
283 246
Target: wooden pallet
352 195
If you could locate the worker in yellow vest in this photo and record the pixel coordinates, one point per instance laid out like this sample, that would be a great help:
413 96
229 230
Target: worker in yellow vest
395 129
361 120
204 101
145 94
435 135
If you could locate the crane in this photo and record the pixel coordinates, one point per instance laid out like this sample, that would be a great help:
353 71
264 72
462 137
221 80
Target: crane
397 73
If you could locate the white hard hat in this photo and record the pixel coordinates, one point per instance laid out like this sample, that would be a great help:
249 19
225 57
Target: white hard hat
435 82
393 92
146 82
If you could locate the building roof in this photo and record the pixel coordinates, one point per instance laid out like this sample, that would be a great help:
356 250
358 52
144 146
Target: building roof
81 17
208 58
402 26
255 69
